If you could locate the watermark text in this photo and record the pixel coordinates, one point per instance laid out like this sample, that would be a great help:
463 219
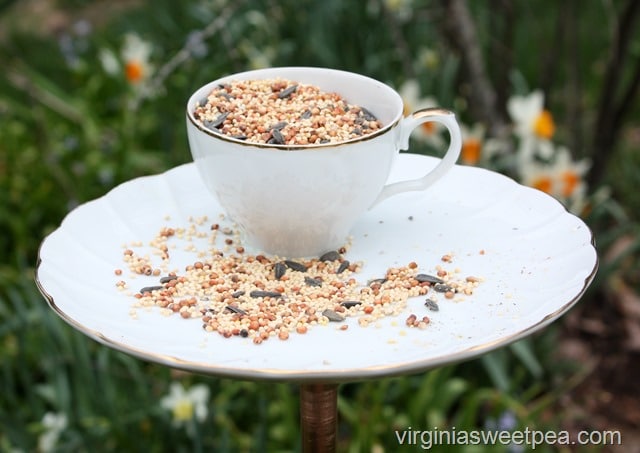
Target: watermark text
530 438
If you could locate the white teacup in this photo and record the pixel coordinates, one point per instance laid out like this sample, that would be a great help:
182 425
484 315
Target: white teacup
301 201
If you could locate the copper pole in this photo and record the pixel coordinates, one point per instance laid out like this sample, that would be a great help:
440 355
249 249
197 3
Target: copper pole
319 417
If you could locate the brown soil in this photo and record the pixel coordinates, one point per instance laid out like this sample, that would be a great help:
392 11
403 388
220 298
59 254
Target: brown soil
603 337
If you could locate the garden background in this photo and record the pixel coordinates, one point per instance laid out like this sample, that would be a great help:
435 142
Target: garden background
92 94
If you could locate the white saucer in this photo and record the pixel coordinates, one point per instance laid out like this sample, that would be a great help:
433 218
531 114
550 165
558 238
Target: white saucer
536 260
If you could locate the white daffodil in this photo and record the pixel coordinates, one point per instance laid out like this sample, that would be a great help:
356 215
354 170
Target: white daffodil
569 176
133 61
186 405
472 143
562 178
530 148
135 55
477 149
427 132
537 175
402 9
53 425
109 61
530 119
428 59
259 57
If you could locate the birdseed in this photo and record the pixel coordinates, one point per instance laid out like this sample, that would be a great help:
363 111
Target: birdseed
260 297
282 112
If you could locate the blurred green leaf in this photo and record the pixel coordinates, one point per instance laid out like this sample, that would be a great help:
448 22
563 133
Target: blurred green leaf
523 350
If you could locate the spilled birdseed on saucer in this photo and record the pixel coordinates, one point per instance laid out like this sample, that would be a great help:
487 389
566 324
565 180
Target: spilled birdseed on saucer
237 294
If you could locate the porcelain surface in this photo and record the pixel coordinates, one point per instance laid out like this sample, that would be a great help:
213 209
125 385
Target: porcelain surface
300 200
536 260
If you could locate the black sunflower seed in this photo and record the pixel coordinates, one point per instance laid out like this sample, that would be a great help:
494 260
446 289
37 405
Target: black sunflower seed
237 294
306 115
426 278
343 267
368 115
234 309
218 121
225 95
330 256
278 126
277 136
313 281
279 270
431 305
442 288
168 278
258 293
350 303
378 281
332 315
294 265
148 289
287 91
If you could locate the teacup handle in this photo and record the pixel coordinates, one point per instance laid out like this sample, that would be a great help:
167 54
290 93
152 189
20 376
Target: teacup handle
406 127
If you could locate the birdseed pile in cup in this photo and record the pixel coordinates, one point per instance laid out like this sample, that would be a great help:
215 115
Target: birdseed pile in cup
282 112
258 297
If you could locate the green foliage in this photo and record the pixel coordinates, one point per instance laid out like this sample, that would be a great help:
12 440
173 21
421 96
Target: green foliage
70 130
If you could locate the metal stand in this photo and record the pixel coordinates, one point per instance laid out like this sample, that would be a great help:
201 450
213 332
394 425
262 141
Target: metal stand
319 417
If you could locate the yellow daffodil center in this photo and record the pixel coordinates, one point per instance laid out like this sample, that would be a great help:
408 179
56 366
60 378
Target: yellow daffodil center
428 127
183 410
544 126
134 71
570 181
145 426
543 183
471 149
393 5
